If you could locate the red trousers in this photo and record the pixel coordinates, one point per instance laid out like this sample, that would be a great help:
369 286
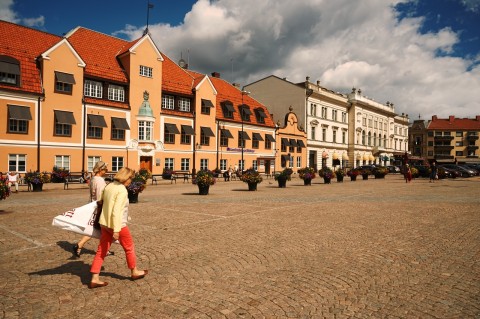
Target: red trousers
106 239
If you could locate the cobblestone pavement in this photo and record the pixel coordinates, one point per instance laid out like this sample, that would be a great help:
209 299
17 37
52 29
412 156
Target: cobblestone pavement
364 249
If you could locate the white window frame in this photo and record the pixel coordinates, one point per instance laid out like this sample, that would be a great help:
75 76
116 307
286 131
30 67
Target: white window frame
145 130
185 164
204 163
62 161
146 71
255 165
223 164
184 104
17 158
170 163
117 163
91 161
344 117
168 102
299 161
93 89
116 93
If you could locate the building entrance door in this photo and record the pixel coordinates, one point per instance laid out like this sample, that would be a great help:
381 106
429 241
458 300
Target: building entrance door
146 162
312 159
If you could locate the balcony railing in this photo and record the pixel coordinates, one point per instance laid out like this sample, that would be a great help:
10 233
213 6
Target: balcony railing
443 138
443 147
472 147
472 137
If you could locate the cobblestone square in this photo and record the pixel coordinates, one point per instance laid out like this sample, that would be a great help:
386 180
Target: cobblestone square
366 249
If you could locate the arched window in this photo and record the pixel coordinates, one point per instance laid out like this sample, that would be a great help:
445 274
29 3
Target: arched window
363 137
374 139
369 138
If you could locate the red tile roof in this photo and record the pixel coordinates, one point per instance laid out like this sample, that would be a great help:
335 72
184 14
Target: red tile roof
100 51
175 79
228 92
25 45
453 123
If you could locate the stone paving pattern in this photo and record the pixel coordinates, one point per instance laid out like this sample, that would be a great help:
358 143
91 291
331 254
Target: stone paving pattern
364 249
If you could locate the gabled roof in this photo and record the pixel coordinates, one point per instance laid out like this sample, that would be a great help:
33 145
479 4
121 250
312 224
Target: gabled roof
453 123
228 92
100 51
25 45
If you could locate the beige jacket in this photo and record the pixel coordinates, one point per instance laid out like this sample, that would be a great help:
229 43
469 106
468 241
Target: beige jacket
115 206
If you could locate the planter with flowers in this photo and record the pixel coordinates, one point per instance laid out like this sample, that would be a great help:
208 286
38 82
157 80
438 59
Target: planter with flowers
340 173
380 172
252 178
138 184
307 174
283 176
353 173
327 174
4 189
203 179
167 173
37 179
59 174
365 173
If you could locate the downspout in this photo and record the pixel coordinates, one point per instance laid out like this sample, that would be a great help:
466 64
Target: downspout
38 132
84 134
218 142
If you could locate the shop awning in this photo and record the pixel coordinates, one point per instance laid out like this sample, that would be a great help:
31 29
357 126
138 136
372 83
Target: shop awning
257 137
345 156
226 133
293 142
285 142
17 112
245 109
187 130
207 131
171 128
270 137
300 143
120 123
244 135
96 120
64 117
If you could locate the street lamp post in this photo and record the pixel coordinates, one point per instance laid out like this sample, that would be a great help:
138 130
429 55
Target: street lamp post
241 116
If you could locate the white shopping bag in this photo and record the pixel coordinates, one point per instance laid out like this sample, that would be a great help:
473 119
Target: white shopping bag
79 220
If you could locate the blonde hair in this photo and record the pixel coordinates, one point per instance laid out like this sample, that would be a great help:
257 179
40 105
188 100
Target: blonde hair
100 166
124 174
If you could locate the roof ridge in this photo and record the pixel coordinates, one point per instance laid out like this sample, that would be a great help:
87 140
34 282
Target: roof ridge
95 31
30 28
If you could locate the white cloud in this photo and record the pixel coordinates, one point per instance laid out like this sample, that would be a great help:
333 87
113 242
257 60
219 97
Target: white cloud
471 5
6 11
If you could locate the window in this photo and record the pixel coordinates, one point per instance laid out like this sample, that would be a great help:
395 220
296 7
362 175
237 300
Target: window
375 124
240 164
459 143
385 126
168 102
144 131
227 108
369 122
255 143
169 163
313 109
169 133
223 138
459 134
312 132
430 133
299 161
206 106
241 140
245 113
344 117
18 117
91 161
260 115
223 164
64 82
364 121
146 71
185 164
9 70
334 139
369 138
117 163
446 133
344 137
204 163
290 162
185 136
169 138
324 112
324 134
268 144
119 125
62 161
116 93
96 123
93 89
430 143
63 123
363 137
184 104
334 115
17 162
254 165
459 153
204 139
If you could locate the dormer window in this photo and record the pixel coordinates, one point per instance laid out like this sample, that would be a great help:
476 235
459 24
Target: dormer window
260 115
64 82
9 70
93 89
245 112
227 108
116 93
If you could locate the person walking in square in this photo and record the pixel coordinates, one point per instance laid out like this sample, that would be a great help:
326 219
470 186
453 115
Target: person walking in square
113 221
433 172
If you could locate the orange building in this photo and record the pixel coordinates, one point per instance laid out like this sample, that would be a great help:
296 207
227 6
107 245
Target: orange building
71 101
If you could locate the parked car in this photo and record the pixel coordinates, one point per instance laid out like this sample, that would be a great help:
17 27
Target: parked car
465 171
473 167
443 173
393 169
453 172
423 170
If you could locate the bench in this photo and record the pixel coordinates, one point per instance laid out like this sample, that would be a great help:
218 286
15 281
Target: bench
74 178
181 174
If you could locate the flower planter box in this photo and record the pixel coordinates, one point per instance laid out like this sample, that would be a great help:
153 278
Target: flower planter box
282 182
37 187
353 178
132 197
203 189
339 179
364 176
252 186
379 176
307 182
327 180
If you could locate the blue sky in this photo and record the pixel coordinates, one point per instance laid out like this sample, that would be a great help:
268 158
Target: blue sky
423 55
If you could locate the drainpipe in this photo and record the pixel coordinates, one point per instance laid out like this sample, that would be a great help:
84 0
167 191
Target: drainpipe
84 133
38 132
218 141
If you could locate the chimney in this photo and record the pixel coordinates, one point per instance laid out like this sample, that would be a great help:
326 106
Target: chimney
451 118
318 82
477 118
237 85
434 118
216 74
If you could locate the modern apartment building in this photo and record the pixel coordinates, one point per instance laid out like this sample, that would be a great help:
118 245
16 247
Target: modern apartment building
71 101
342 129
